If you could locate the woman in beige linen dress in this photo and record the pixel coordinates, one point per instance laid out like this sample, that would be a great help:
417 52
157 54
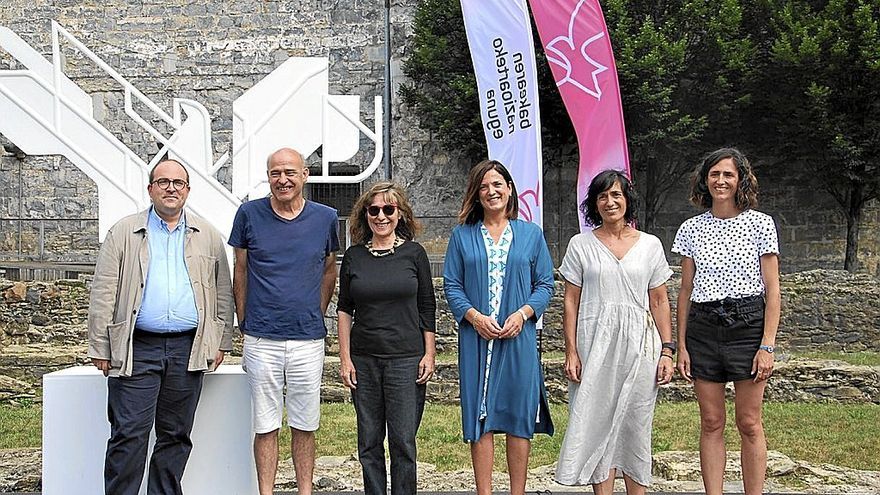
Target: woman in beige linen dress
615 291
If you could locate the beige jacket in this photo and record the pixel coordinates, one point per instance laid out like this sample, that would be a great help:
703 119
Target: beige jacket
118 289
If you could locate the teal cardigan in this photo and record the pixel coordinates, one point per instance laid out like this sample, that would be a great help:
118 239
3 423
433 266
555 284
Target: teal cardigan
516 393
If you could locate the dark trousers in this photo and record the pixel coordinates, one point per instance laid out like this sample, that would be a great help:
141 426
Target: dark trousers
160 390
388 397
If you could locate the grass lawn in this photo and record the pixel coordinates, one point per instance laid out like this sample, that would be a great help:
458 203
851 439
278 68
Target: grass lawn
845 435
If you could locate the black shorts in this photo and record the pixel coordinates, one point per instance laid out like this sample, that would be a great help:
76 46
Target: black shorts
723 337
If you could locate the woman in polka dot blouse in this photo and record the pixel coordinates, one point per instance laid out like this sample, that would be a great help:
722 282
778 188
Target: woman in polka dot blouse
728 311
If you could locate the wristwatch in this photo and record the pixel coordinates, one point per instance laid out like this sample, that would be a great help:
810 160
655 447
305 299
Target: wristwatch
768 348
669 345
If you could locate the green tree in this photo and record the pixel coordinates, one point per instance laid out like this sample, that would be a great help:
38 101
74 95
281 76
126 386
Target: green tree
442 87
823 71
681 67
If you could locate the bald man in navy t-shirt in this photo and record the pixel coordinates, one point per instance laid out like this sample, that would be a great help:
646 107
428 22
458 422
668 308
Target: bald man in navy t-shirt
285 273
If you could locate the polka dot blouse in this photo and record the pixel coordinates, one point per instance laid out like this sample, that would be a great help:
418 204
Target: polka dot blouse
727 252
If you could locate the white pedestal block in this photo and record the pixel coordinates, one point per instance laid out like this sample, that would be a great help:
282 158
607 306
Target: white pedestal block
75 433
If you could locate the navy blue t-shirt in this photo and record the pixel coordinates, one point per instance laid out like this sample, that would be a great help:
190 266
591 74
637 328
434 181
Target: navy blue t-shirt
285 260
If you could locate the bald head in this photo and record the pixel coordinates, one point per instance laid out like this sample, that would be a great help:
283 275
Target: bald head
287 174
284 156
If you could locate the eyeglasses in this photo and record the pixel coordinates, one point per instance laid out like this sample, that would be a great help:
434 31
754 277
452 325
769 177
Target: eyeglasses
388 210
177 183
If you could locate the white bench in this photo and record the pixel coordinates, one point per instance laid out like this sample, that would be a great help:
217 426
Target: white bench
75 433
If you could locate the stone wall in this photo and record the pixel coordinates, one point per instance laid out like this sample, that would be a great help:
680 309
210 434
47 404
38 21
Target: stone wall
42 329
213 52
827 309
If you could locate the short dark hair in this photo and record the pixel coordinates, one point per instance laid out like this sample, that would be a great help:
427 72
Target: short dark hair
471 210
747 188
160 162
601 183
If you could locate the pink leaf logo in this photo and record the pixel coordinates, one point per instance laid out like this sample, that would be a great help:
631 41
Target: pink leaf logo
564 50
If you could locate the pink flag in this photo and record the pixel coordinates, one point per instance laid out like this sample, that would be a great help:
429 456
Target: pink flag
578 48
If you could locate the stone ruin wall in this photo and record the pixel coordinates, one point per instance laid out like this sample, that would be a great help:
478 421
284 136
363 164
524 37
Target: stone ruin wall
43 328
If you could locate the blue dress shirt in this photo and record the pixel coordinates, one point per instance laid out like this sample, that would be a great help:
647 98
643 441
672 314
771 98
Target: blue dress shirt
169 304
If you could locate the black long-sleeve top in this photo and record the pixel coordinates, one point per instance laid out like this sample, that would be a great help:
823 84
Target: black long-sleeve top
390 298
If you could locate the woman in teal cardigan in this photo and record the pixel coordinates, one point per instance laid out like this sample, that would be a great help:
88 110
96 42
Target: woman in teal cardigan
498 279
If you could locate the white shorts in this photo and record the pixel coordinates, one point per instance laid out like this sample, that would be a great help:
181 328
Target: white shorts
272 364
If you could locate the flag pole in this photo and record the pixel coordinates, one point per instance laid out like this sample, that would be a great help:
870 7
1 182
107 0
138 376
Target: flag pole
386 141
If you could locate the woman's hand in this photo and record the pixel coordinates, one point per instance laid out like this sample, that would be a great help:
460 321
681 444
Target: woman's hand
426 369
762 365
573 366
348 373
664 369
684 364
486 326
513 326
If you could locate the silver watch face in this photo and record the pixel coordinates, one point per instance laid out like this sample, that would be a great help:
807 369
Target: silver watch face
769 348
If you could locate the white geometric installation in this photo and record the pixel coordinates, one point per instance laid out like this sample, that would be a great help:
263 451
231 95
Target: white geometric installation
45 113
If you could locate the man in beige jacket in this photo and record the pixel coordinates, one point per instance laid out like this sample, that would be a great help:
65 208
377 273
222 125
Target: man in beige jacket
160 315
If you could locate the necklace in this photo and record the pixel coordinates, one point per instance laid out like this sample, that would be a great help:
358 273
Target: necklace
384 252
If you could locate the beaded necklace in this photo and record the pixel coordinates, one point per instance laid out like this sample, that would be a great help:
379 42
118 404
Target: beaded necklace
384 252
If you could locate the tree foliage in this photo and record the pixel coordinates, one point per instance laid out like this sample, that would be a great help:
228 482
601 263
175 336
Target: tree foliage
443 88
681 67
823 70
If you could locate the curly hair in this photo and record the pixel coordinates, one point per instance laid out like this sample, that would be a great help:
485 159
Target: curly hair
746 191
471 210
407 225
601 183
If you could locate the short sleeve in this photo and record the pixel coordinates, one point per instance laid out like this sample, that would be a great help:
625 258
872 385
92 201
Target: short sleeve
238 236
344 301
683 243
333 237
660 271
572 267
766 237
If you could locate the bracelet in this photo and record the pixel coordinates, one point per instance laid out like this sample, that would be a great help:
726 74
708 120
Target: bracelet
666 355
669 345
523 314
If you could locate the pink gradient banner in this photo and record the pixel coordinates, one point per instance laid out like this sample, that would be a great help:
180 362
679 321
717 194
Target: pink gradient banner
578 48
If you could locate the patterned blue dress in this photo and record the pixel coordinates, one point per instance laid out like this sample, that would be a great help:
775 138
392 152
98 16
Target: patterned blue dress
496 257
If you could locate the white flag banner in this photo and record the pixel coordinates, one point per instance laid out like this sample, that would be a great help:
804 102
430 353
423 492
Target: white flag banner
499 34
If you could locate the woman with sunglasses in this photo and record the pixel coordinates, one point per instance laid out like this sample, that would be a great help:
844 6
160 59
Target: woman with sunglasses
498 278
386 315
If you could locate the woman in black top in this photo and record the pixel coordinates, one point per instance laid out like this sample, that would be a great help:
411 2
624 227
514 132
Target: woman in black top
386 334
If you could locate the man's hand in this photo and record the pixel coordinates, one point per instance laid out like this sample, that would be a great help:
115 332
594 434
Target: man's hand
218 358
102 364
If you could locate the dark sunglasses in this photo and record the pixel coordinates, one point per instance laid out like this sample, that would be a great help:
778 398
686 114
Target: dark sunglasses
388 210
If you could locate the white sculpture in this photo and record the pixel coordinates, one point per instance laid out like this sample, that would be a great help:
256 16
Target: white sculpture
44 112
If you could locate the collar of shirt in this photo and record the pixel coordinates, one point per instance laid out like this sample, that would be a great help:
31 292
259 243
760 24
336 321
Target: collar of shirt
156 224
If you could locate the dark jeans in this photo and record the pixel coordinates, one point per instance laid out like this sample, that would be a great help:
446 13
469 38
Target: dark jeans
387 395
161 390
